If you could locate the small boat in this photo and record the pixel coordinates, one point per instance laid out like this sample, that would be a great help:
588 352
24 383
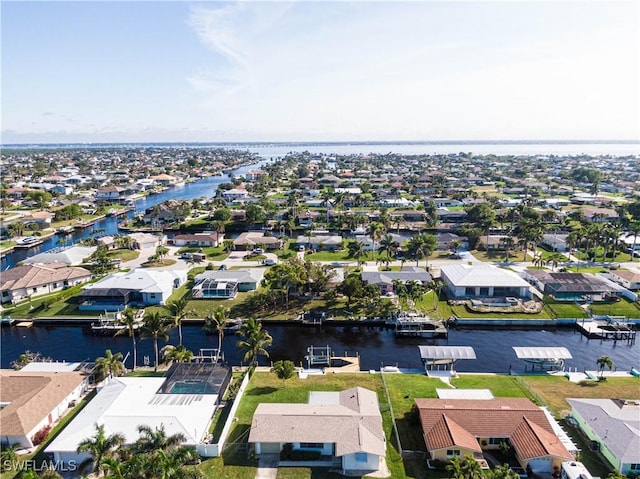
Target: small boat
65 230
415 324
28 242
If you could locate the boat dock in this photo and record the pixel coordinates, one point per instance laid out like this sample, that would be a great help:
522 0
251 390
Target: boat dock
323 356
416 325
606 329
110 324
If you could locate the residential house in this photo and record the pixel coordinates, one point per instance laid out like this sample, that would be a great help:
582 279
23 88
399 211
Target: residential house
446 202
555 242
445 241
164 179
496 242
600 215
226 284
29 280
235 194
445 215
73 256
139 287
613 427
206 239
40 218
467 427
345 426
168 212
385 279
321 242
571 286
410 216
627 278
34 400
307 218
145 240
253 239
125 403
110 194
465 281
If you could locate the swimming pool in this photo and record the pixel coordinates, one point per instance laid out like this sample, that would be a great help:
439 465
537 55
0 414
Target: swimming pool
191 387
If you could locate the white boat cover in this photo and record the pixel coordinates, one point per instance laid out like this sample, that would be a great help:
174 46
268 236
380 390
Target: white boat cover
542 353
447 352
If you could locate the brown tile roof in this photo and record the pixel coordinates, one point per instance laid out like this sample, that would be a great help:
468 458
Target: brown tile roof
35 275
32 396
443 419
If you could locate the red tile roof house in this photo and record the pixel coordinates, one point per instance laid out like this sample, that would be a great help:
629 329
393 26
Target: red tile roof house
344 427
34 400
467 427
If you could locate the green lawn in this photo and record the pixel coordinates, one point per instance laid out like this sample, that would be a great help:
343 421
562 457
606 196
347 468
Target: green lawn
624 307
342 255
123 254
213 254
499 256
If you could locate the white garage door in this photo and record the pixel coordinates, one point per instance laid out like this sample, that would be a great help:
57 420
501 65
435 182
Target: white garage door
269 448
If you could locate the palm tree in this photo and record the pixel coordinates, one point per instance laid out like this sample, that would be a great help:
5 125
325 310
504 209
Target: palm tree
156 326
633 232
388 246
109 365
538 260
216 322
421 246
177 354
8 456
555 259
603 361
356 251
178 311
503 471
129 320
156 439
254 340
375 233
101 446
454 468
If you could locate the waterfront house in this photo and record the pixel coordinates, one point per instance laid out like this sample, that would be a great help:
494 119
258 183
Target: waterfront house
34 400
182 402
42 219
30 280
467 427
139 287
206 239
613 427
463 281
110 194
225 284
385 279
252 239
164 179
344 426
235 194
571 286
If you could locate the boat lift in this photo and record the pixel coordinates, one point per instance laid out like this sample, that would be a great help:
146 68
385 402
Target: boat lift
436 356
547 358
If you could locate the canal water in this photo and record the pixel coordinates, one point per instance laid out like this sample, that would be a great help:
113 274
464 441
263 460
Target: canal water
205 187
375 345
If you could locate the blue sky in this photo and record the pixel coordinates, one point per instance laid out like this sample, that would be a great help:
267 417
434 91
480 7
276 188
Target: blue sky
93 71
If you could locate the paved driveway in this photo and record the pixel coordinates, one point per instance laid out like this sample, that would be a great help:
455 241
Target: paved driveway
268 466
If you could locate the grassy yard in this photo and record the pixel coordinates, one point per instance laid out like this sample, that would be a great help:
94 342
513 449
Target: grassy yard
342 255
123 254
499 256
624 307
213 254
555 389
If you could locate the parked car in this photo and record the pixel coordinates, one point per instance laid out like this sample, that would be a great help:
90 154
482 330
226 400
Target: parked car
269 262
257 251
301 248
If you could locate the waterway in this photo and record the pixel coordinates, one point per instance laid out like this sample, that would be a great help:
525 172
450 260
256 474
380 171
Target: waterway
205 187
375 345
